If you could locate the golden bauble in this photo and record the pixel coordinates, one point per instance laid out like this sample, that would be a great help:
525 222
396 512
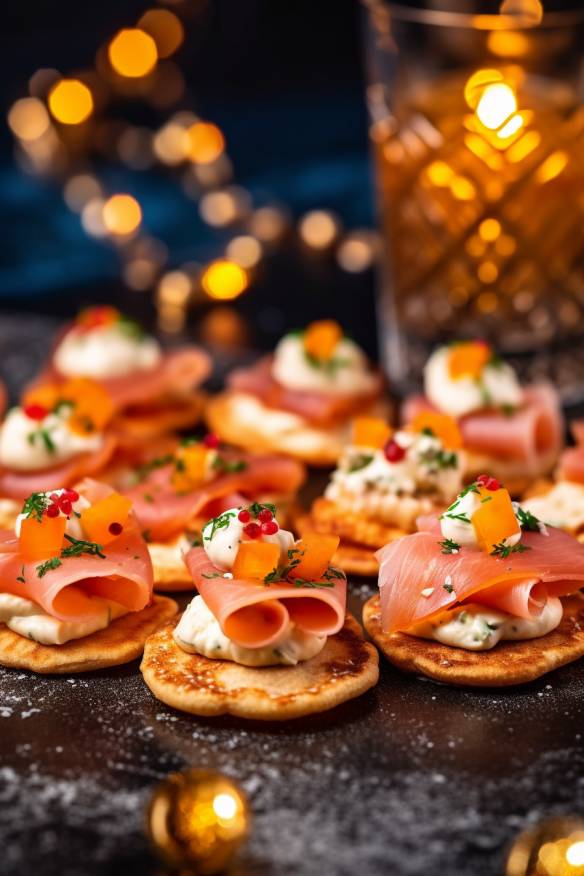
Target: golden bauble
198 818
554 847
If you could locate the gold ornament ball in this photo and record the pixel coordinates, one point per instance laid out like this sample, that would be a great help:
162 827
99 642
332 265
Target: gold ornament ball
198 818
554 847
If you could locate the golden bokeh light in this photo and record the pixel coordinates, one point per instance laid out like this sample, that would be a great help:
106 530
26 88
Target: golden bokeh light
487 302
356 252
527 12
221 208
70 102
318 229
139 274
478 82
268 224
440 174
174 288
245 250
496 105
462 188
79 190
92 218
165 28
132 53
552 167
205 142
122 215
28 119
490 229
171 144
508 43
224 280
487 272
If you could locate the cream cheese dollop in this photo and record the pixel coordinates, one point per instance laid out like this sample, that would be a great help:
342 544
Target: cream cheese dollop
563 506
223 535
475 627
456 522
426 469
347 373
29 620
105 351
198 632
73 526
497 386
31 445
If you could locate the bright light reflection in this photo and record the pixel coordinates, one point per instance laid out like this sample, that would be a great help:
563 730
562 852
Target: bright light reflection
225 806
575 854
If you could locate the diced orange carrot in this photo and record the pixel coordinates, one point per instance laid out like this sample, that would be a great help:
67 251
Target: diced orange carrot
495 520
256 559
441 425
315 552
46 395
41 539
93 405
468 359
105 520
371 432
190 467
321 338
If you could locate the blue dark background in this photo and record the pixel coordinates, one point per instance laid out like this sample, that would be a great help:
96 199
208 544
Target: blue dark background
283 80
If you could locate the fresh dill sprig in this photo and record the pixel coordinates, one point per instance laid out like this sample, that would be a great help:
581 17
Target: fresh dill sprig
449 546
503 550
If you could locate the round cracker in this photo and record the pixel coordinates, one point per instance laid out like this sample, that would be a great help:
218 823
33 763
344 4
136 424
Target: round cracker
353 559
345 668
508 663
121 642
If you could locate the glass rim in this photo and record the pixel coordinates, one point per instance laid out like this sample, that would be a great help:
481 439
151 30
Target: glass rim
476 21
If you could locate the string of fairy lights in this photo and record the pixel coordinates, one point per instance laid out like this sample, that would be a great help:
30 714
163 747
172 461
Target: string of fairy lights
63 127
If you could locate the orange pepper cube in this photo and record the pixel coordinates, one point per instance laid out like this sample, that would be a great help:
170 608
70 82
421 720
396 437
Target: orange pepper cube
102 520
495 520
190 467
468 359
46 395
371 432
41 539
321 338
256 559
441 425
315 552
93 405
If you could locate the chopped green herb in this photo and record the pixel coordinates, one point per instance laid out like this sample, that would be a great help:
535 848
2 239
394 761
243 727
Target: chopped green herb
45 437
212 575
486 499
508 410
48 566
21 577
449 588
78 546
148 497
449 546
220 522
226 466
35 506
152 464
503 550
464 518
255 508
359 462
130 328
527 521
329 366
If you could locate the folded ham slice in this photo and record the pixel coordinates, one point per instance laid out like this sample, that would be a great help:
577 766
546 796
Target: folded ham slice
177 374
315 407
532 433
20 484
164 513
255 615
417 581
124 576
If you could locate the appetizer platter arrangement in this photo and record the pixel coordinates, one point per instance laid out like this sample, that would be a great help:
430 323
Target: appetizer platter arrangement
367 613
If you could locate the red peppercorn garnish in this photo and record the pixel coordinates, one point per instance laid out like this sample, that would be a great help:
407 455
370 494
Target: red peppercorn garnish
394 452
52 510
65 505
270 527
72 495
115 528
488 482
211 441
253 530
265 515
36 412
244 516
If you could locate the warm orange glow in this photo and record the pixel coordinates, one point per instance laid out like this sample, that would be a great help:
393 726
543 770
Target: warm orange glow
92 217
524 146
526 11
268 223
133 53
478 82
245 250
487 302
224 280
205 142
171 144
356 252
70 102
174 288
489 230
165 29
440 173
28 118
462 188
511 127
121 215
488 272
552 167
508 44
496 105
318 229
79 190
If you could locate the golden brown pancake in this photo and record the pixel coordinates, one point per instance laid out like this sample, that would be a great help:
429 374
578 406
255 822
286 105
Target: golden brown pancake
506 664
360 536
150 421
345 668
121 642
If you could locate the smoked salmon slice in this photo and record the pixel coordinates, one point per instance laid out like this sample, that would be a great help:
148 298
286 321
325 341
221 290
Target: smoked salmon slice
254 615
532 432
20 484
316 407
417 581
123 575
571 466
164 513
